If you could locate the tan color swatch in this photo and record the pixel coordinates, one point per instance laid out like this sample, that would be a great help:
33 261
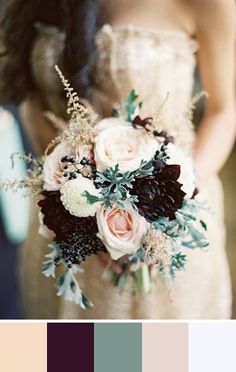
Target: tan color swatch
23 347
165 347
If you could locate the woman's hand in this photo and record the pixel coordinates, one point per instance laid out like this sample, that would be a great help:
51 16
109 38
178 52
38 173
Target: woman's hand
107 263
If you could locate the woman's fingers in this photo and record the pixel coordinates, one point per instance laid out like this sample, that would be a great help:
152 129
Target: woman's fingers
107 263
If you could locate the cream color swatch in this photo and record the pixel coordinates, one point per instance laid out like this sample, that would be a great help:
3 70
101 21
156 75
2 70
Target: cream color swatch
165 347
23 347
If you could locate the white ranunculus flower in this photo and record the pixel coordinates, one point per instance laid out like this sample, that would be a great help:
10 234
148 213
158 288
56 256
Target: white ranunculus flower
187 175
53 167
121 230
123 145
74 200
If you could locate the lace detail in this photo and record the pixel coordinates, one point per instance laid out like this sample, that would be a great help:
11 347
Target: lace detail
154 63
174 38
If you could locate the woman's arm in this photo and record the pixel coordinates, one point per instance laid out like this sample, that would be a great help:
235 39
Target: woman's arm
39 130
215 24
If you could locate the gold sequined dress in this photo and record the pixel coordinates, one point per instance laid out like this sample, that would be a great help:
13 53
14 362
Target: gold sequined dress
153 63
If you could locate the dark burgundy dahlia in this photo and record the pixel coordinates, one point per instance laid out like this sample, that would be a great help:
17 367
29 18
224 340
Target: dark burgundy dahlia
159 194
76 237
56 217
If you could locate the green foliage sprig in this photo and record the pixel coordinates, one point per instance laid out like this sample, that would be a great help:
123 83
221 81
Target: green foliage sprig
186 228
131 107
178 263
137 257
115 185
67 284
68 287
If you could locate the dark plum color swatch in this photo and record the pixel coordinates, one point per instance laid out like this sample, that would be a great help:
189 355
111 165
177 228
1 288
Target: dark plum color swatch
70 347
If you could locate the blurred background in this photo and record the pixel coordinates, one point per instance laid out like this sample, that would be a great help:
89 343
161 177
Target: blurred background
14 211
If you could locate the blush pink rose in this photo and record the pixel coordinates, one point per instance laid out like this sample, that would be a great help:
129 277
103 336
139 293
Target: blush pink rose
121 230
122 144
53 166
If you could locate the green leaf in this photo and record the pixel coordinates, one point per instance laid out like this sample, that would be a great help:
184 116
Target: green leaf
49 269
86 301
49 266
131 106
68 287
115 185
186 229
92 199
204 225
178 263
137 257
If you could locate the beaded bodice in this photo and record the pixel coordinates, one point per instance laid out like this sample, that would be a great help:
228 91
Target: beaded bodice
152 62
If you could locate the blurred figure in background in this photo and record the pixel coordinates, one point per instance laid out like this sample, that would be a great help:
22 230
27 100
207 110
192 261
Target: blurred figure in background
14 210
13 216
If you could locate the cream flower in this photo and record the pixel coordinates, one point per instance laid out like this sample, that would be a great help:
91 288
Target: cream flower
123 145
74 200
108 123
187 175
53 167
121 230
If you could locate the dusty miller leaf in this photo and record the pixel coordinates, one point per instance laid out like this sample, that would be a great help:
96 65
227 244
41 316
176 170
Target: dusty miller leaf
68 287
115 185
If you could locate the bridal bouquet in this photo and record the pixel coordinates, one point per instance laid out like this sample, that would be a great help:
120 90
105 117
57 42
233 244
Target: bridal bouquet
118 186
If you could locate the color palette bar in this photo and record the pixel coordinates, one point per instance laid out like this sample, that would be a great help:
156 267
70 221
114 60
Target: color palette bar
118 347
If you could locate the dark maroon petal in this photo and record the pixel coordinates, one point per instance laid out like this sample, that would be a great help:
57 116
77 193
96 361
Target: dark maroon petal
160 194
58 219
137 121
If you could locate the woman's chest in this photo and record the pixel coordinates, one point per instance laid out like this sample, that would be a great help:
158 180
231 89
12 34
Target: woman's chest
158 14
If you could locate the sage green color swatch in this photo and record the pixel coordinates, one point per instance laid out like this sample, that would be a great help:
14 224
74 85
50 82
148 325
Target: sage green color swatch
117 347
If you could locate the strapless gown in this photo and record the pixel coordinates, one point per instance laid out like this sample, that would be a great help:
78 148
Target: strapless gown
153 63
